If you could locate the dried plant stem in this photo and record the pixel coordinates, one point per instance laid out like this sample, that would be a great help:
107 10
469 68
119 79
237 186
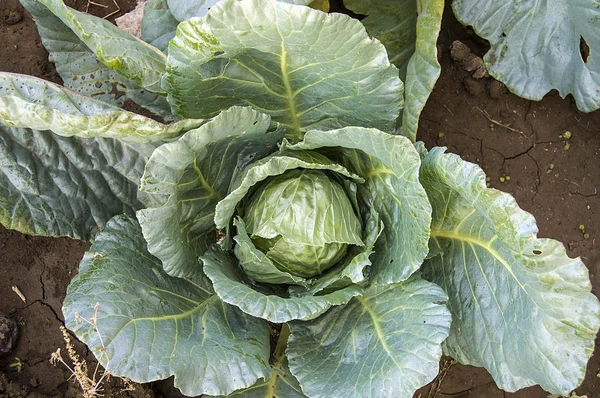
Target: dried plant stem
497 123
439 379
93 3
91 387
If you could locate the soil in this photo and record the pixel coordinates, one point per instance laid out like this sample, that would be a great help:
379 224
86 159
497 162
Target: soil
515 141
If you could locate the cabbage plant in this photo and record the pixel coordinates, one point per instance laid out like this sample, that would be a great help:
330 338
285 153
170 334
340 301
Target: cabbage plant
270 235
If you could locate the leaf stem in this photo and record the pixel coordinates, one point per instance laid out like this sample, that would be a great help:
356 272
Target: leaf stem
278 357
279 352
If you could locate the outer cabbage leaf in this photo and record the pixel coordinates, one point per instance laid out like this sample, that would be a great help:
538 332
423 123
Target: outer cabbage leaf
281 384
161 18
80 69
158 24
38 104
423 68
537 46
384 344
130 57
297 2
56 186
190 176
521 308
390 166
228 282
183 10
409 31
174 326
305 68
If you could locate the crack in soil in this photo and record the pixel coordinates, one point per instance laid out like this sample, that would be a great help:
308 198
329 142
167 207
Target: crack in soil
468 390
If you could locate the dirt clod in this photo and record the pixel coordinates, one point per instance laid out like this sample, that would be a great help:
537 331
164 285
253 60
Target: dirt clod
9 332
473 86
12 16
495 88
469 62
459 51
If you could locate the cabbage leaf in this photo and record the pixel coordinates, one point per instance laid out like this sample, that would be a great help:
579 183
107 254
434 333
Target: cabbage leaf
538 46
520 307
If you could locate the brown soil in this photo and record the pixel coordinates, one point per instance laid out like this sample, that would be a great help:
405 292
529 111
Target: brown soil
512 139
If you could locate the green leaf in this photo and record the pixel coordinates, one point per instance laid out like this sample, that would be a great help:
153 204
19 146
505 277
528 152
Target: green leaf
535 48
281 384
423 68
255 263
228 282
393 22
305 68
145 325
303 220
161 18
303 206
297 2
384 344
56 186
190 176
273 165
34 103
409 31
390 166
158 24
348 272
80 69
521 308
183 10
130 57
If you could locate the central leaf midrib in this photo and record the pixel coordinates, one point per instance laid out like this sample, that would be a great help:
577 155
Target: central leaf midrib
211 191
378 330
289 93
435 232
478 242
173 317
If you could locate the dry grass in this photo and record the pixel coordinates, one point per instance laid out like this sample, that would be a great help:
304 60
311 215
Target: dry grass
90 384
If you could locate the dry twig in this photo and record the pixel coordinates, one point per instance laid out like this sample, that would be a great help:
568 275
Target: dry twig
497 123
93 3
19 293
439 379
